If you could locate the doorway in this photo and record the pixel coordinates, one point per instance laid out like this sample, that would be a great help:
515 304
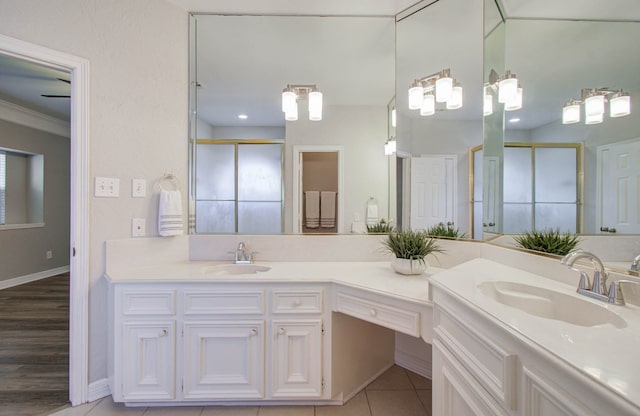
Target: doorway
318 189
78 69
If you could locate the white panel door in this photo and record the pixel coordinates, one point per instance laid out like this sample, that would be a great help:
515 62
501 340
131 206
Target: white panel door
148 361
619 187
432 191
297 359
224 360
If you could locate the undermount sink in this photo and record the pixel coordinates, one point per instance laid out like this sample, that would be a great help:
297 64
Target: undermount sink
550 304
234 269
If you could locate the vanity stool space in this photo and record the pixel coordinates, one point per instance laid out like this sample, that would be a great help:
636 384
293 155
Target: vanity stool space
232 342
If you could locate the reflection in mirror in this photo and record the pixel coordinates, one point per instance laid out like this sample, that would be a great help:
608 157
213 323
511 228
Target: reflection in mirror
437 146
240 66
555 59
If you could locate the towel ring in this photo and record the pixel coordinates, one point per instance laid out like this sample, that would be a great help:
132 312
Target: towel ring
169 182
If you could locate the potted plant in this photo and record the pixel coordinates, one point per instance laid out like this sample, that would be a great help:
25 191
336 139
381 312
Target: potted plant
442 230
381 227
410 249
548 241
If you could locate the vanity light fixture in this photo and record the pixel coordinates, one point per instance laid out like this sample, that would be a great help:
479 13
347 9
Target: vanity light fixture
508 89
292 93
488 102
390 147
594 100
440 87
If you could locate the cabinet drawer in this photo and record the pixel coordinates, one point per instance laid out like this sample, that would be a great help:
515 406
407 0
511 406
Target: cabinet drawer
493 366
149 302
389 316
299 301
223 302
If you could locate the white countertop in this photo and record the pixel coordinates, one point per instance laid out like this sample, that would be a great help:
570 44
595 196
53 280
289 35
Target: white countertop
603 352
376 277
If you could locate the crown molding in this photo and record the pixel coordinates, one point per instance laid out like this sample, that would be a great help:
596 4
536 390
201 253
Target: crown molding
16 114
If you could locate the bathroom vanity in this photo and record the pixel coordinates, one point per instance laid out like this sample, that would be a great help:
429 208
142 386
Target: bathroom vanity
203 332
318 328
508 342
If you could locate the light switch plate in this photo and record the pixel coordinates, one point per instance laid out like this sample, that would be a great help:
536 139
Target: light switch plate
138 188
138 227
106 187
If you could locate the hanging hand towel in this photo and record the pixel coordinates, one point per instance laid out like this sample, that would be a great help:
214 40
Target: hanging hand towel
372 212
312 209
170 213
327 209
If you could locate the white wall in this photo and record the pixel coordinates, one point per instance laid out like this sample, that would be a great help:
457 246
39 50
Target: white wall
362 131
138 54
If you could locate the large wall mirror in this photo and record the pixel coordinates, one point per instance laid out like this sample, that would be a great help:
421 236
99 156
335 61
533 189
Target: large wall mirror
431 37
556 58
243 152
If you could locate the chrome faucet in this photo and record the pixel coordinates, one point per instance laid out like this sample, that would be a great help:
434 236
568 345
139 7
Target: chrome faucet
597 288
635 264
242 257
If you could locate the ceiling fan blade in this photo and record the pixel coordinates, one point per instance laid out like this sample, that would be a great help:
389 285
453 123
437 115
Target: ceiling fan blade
55 96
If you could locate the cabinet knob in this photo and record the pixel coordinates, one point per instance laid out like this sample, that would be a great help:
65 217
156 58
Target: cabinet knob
373 312
281 331
164 333
297 302
254 332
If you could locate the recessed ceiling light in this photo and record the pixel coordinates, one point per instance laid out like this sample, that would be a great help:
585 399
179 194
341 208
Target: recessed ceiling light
243 116
514 120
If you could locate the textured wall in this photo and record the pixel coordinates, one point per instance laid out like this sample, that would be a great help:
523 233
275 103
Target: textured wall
138 54
24 250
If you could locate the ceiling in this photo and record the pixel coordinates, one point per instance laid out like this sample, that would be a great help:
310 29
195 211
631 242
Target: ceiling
23 82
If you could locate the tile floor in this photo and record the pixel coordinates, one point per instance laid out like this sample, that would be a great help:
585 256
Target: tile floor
397 392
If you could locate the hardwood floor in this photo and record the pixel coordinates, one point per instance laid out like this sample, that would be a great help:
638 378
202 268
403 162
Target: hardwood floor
34 347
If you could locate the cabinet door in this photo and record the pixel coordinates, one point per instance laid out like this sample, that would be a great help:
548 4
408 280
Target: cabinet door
297 359
148 360
455 391
543 397
224 360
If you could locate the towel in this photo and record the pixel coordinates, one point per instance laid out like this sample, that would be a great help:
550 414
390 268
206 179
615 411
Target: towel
170 213
372 213
327 209
312 209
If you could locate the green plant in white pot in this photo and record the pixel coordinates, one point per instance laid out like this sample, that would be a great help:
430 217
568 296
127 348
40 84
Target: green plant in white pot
410 249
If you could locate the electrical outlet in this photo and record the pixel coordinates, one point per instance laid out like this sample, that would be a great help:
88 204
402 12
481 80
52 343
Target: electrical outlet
107 187
49 255
138 227
138 188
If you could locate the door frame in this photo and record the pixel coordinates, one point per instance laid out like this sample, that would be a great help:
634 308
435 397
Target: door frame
79 209
297 193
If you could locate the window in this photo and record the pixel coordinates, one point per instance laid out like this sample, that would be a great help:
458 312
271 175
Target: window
21 188
3 186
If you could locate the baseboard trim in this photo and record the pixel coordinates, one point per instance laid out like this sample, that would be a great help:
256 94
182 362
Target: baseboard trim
98 389
412 363
362 386
16 281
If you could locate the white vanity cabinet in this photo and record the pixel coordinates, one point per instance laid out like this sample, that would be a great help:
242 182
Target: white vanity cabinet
298 329
146 321
213 342
482 367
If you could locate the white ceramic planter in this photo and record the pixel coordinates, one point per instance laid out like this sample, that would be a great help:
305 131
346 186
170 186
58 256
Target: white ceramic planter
406 266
